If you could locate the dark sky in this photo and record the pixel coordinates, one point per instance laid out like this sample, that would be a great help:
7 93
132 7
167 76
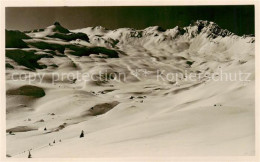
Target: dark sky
237 19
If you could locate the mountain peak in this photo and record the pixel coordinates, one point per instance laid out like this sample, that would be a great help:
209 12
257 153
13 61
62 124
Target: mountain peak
59 28
155 28
99 28
211 28
201 23
57 23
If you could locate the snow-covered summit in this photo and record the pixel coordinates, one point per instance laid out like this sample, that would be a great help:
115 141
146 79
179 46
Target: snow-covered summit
210 28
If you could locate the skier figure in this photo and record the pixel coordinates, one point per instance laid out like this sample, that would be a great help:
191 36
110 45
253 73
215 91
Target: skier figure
82 134
29 156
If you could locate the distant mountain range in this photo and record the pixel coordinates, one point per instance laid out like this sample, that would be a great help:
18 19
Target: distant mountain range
53 40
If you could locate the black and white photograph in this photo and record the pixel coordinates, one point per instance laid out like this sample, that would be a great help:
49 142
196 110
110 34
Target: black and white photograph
129 81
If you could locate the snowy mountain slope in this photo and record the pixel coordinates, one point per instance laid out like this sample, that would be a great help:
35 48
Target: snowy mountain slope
147 113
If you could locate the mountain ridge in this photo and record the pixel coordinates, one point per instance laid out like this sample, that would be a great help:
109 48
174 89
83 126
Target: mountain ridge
202 25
